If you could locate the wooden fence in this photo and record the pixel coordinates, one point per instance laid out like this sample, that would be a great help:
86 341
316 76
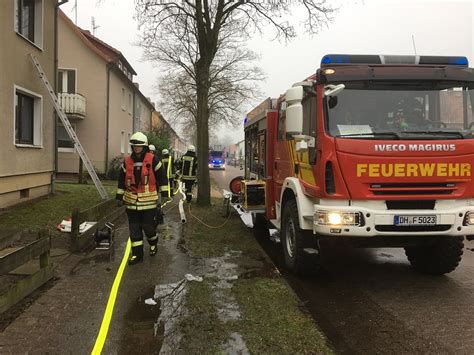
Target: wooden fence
13 258
101 213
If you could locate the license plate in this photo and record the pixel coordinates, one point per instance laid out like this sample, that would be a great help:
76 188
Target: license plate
415 220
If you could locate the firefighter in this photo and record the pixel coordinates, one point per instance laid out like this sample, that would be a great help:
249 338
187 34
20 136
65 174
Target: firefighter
152 149
169 167
187 171
141 176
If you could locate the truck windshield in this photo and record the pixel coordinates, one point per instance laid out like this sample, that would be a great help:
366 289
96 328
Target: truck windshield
401 110
216 154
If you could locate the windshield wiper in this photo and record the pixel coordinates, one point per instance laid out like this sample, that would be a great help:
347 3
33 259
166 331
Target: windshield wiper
458 134
370 135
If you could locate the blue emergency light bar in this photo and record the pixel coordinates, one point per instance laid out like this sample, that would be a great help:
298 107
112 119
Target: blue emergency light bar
345 59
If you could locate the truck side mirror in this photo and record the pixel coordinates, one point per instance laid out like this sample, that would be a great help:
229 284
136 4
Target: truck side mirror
333 90
294 110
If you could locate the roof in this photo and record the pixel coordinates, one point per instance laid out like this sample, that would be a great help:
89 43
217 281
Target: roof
102 49
106 52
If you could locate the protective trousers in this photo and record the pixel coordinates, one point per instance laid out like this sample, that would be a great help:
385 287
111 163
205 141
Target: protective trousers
139 223
172 187
188 187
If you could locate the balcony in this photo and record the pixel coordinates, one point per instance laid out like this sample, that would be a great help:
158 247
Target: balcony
74 105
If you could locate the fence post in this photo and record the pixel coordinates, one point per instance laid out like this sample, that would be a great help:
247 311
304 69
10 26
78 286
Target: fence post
74 226
44 258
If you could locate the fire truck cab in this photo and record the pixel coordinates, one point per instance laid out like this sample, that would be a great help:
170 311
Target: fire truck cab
376 150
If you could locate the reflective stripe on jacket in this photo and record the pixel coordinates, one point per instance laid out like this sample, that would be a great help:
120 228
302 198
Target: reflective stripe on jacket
141 196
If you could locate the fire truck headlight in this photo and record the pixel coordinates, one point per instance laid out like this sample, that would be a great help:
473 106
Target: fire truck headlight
469 219
210 165
335 218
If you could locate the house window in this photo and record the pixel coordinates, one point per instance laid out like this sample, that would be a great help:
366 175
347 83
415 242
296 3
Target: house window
122 143
130 104
129 149
27 118
67 81
123 99
281 121
65 143
29 20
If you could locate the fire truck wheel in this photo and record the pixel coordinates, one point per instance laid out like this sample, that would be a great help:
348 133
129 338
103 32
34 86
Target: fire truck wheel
294 241
260 226
439 258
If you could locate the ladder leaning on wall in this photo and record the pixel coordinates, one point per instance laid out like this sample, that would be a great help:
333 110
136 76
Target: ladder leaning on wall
70 130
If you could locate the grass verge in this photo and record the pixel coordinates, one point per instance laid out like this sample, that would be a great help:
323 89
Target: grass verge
50 211
201 329
271 320
203 241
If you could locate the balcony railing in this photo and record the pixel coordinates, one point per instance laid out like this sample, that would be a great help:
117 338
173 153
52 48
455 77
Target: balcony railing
74 105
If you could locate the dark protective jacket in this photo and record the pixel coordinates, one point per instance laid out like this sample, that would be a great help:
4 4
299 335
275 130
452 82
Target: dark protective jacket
188 167
136 192
168 165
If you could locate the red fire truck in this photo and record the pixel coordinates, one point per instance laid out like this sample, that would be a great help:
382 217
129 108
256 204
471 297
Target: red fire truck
375 150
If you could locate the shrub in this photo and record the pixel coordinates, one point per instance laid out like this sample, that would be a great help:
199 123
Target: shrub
114 167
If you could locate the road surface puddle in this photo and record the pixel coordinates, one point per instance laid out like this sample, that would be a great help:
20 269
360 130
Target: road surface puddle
142 330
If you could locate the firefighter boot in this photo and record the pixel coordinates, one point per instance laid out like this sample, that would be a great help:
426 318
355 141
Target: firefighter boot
135 260
153 250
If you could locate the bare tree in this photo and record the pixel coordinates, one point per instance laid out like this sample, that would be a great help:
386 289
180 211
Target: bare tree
232 83
188 37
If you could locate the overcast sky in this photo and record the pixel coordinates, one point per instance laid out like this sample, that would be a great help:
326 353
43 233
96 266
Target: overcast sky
442 27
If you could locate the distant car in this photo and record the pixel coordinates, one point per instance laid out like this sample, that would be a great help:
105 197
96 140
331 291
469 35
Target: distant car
216 160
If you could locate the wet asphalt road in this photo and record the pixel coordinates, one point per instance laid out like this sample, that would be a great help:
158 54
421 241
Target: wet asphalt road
370 301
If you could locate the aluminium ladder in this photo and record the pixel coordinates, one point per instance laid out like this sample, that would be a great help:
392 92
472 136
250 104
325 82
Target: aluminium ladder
70 130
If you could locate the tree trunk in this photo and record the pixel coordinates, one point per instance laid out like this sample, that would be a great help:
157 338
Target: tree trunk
204 186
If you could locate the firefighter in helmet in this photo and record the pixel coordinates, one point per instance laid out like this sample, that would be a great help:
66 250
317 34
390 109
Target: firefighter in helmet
152 149
187 170
141 177
169 167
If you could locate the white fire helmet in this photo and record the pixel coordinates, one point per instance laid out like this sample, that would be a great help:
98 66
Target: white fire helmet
138 139
151 147
191 148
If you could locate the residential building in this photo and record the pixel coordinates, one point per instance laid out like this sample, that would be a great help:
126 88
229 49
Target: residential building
104 106
27 27
143 110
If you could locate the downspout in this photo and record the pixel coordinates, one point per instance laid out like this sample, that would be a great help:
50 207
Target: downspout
135 122
55 75
109 67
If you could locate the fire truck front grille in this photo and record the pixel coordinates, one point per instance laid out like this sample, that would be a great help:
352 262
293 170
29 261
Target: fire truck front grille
401 229
413 189
410 204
